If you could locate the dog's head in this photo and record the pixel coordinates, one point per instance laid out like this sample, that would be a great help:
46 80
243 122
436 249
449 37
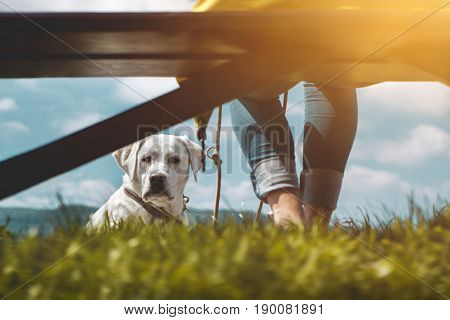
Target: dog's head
158 166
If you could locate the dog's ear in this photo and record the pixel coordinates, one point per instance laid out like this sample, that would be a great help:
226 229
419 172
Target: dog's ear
126 158
195 155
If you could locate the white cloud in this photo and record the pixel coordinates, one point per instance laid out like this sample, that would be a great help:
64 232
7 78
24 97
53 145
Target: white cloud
97 5
431 192
7 104
365 125
79 122
421 98
368 180
93 192
239 192
14 127
30 201
28 84
365 187
138 90
201 195
360 178
422 143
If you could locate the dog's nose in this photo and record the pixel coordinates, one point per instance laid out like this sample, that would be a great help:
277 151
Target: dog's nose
158 178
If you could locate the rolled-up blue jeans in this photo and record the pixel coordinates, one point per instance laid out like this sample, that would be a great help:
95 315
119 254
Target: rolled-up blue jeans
268 145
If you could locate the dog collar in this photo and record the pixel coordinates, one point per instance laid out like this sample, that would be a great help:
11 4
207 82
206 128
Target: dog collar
151 209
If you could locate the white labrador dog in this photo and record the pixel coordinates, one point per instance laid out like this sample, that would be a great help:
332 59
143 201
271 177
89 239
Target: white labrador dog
156 171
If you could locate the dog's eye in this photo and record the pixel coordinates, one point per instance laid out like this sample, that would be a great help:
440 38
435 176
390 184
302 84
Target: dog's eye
174 160
147 159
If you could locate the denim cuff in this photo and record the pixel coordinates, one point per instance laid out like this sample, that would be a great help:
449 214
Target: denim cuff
272 174
321 187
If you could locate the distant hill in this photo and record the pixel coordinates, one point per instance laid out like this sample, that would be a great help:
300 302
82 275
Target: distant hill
20 220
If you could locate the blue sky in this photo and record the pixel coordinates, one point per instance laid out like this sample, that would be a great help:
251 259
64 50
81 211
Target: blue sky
402 144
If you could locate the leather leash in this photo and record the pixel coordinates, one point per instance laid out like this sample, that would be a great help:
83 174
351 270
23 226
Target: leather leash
152 210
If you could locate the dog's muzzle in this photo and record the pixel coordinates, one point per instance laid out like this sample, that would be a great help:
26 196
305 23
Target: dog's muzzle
158 186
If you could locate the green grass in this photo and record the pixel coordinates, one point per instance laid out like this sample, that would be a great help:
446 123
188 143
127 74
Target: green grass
234 261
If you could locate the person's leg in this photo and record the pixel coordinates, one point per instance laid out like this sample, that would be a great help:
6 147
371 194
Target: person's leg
331 116
266 141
